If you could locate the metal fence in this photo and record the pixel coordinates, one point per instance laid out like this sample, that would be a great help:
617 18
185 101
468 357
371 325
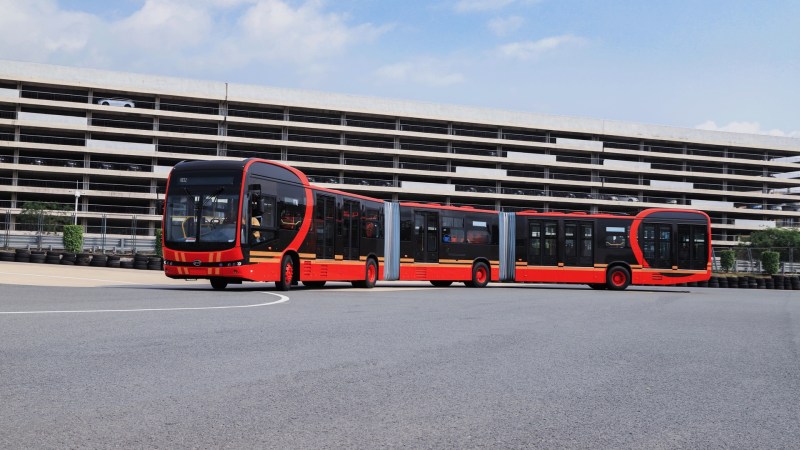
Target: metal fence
133 237
748 259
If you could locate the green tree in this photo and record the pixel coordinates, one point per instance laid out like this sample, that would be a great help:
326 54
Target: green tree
158 248
771 262
775 238
73 238
50 215
727 260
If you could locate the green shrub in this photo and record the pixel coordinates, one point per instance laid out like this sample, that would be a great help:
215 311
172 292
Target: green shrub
727 259
158 248
771 262
73 238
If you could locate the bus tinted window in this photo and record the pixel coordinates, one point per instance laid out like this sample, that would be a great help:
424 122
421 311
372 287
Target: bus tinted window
616 237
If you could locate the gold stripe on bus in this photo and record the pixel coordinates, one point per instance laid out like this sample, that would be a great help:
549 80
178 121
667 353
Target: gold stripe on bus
674 267
256 253
307 255
262 259
338 257
455 261
560 264
636 266
601 265
380 258
406 260
520 263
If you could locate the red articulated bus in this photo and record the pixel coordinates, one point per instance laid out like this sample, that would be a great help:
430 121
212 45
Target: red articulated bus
258 220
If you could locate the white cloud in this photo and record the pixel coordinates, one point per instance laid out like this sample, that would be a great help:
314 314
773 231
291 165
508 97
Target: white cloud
34 29
174 34
487 5
527 50
746 127
503 26
426 72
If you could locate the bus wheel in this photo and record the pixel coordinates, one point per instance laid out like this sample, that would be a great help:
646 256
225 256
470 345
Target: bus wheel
314 284
618 278
219 283
480 275
597 286
371 275
287 273
441 283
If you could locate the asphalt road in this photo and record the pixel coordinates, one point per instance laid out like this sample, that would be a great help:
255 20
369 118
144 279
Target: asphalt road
520 366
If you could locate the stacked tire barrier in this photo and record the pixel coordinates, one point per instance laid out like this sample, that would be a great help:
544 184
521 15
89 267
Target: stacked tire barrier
140 262
149 262
68 259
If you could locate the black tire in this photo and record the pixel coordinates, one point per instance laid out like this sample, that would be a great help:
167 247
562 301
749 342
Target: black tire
314 284
65 262
99 261
219 284
154 266
441 283
22 251
287 274
104 104
69 257
7 256
126 264
598 286
481 274
140 258
38 258
140 266
618 278
22 259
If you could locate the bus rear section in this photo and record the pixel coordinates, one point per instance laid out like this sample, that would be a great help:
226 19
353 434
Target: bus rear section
657 246
674 246
443 244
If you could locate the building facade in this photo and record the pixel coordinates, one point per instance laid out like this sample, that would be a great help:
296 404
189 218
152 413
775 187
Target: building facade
114 136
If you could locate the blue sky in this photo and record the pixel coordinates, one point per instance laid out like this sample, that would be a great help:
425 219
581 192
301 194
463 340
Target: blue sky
730 65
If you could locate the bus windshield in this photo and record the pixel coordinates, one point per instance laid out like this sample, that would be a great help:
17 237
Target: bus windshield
202 210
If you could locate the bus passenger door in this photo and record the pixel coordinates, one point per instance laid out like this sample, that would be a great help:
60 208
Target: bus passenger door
350 223
578 240
426 236
325 222
542 243
692 247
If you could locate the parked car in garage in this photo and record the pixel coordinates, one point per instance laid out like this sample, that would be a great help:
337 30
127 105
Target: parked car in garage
115 101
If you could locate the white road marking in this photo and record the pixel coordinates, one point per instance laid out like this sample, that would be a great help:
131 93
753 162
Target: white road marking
65 278
281 299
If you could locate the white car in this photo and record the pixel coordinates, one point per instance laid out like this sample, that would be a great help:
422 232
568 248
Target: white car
124 102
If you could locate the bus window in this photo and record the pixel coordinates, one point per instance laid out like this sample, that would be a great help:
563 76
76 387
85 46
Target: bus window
452 230
372 224
616 237
550 233
665 245
700 237
570 240
536 239
586 240
478 232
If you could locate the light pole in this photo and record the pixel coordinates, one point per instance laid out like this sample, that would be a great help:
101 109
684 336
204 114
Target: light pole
77 196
